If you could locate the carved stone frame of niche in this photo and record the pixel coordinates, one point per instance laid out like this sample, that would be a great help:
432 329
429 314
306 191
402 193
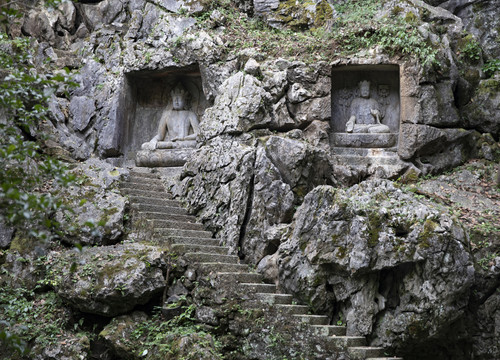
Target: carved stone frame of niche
149 95
385 87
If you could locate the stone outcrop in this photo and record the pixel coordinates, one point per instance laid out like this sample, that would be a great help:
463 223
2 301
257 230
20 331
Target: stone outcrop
94 209
376 251
108 281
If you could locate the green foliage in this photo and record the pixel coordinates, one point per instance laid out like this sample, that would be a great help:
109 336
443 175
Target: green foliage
491 67
469 49
27 175
358 28
158 339
30 318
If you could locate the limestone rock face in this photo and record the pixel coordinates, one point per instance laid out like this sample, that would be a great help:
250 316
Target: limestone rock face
378 258
95 208
108 281
239 108
216 185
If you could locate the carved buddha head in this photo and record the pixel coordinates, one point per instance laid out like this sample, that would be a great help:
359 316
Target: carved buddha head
364 88
179 97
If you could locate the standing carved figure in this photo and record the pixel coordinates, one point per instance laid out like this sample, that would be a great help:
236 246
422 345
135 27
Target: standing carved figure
178 127
365 113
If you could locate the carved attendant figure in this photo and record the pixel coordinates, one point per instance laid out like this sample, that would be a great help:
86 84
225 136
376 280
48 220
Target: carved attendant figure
365 113
178 127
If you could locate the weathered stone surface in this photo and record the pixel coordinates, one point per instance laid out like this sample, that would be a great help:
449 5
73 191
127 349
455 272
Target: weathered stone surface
119 330
98 201
482 113
215 183
240 107
6 233
380 258
364 140
103 13
109 280
436 149
163 158
82 108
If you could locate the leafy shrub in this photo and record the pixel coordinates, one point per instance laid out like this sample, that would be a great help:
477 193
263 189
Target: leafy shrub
491 67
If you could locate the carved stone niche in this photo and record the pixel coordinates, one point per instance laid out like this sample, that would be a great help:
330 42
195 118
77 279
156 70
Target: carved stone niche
150 95
367 128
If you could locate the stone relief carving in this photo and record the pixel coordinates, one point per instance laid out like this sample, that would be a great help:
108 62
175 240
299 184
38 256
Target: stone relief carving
178 127
366 112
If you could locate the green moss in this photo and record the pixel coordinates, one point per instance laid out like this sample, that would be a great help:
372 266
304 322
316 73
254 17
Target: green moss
341 252
411 18
374 225
426 234
21 244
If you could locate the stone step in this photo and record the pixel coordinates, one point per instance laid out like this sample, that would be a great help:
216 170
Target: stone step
150 180
241 277
313 319
348 341
168 216
365 151
193 241
362 352
185 248
148 201
164 209
174 233
173 224
223 267
273 299
293 309
207 257
385 358
143 186
143 174
146 193
329 330
258 288
365 160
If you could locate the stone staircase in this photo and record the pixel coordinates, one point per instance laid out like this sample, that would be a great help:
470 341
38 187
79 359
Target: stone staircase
188 238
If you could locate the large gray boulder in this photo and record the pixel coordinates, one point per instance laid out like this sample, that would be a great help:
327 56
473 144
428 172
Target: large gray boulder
94 207
380 260
109 280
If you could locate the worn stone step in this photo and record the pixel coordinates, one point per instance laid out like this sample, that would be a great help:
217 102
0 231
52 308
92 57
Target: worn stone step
329 330
348 341
223 267
193 241
313 319
173 224
240 277
293 309
207 257
258 288
362 352
392 151
143 174
148 186
272 299
139 178
174 233
146 193
163 209
144 200
364 160
168 216
185 248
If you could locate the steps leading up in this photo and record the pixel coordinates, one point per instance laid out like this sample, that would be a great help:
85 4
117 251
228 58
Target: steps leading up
363 352
189 239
